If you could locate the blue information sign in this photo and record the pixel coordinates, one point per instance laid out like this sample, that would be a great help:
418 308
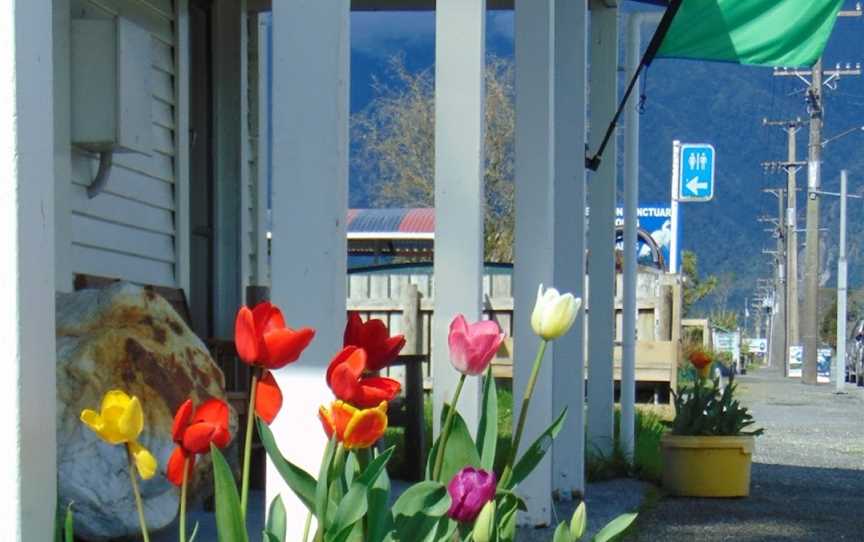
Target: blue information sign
696 167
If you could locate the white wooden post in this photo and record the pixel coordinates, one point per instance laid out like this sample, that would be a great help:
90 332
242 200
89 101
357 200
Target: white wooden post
550 111
28 470
459 165
535 230
568 386
310 199
601 231
62 146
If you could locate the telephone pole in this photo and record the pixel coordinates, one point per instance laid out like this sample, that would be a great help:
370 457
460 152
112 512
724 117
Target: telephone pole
777 331
791 166
818 79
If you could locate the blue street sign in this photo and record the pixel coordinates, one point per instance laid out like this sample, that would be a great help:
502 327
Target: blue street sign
696 167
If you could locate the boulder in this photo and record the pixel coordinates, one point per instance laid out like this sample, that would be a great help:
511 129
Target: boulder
129 338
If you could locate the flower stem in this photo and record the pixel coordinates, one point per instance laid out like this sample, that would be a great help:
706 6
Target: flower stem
138 504
523 413
445 431
247 447
307 526
183 500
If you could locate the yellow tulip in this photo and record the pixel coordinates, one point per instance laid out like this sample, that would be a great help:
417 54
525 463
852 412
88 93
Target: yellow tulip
554 313
120 421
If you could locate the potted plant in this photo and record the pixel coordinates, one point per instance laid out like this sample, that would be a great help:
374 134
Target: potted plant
709 448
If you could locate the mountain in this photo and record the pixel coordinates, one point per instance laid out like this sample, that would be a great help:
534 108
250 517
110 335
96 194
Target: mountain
722 104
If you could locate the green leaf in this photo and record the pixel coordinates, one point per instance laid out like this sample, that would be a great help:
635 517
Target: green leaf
277 522
322 492
461 451
578 522
487 431
430 497
301 482
378 517
270 537
229 516
534 454
562 533
68 525
507 524
194 532
615 528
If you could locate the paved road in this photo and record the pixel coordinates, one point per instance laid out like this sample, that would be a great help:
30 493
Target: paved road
807 478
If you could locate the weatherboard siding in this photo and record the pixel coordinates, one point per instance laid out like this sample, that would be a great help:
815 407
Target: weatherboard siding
128 231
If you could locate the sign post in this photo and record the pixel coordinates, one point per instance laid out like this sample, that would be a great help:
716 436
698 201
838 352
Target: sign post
692 180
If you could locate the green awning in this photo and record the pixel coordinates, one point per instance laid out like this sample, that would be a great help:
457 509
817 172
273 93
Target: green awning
789 33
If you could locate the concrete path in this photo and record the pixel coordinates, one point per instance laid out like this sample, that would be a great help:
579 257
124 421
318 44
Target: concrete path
807 478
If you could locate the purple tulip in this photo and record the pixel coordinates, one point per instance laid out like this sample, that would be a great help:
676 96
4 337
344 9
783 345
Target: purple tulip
469 490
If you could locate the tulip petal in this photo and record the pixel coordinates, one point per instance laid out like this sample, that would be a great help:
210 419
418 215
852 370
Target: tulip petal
181 420
144 460
268 398
375 389
366 427
353 326
326 421
198 437
246 338
344 371
131 422
94 421
214 411
174 469
284 346
537 313
342 413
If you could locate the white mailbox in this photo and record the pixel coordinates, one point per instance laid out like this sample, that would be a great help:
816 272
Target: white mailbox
111 95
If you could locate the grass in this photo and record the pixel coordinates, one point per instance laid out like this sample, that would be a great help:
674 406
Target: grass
646 464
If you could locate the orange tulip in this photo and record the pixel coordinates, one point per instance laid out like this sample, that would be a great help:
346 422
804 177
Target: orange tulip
353 427
348 377
701 361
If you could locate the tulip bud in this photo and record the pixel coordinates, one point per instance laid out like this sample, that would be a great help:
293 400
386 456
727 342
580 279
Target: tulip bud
554 313
484 527
469 491
472 346
577 522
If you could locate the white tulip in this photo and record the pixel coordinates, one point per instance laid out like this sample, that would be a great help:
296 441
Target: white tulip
554 313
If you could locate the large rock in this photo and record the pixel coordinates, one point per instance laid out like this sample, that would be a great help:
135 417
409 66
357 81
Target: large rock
124 337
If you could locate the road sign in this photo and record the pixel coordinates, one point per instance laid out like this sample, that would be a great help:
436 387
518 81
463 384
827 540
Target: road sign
696 167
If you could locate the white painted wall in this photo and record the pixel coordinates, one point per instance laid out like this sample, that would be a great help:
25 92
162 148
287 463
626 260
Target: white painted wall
28 467
129 230
310 199
459 165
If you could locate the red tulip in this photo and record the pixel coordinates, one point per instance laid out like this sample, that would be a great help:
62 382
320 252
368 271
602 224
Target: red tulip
345 376
263 340
373 337
193 431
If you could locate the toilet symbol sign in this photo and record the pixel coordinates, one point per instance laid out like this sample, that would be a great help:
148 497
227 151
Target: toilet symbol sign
696 167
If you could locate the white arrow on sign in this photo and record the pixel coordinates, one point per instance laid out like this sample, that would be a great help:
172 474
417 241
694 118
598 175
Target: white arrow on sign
694 186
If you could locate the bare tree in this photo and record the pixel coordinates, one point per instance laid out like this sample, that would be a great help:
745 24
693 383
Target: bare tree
393 141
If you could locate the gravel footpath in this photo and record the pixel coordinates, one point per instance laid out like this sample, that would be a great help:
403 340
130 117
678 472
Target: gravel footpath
807 478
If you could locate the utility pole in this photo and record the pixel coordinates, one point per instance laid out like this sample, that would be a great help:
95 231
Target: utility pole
777 331
840 362
791 167
810 317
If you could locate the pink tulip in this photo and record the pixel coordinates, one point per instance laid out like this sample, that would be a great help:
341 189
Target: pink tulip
472 346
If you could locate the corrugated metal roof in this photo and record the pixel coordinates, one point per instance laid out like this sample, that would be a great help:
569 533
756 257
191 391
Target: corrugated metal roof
419 220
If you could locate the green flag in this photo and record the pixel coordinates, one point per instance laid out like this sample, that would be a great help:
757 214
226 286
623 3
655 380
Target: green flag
789 33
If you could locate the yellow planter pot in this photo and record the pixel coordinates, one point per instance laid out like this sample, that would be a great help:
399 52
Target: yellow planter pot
707 466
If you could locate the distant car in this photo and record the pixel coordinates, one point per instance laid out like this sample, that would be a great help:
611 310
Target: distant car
855 354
